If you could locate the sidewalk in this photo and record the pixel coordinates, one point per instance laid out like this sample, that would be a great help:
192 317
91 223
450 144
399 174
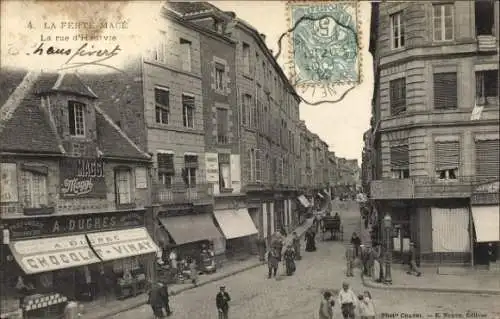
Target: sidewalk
472 281
111 308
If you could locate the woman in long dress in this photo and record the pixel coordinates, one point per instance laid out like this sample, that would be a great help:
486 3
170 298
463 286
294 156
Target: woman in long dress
310 244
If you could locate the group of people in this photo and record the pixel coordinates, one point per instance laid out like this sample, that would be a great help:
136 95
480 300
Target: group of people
348 302
289 255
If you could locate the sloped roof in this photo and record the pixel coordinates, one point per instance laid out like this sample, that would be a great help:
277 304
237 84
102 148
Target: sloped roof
26 127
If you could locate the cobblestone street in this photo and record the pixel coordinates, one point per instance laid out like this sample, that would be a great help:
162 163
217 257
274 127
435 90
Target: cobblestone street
297 297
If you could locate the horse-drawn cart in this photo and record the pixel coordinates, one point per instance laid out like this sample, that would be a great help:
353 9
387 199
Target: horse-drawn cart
333 225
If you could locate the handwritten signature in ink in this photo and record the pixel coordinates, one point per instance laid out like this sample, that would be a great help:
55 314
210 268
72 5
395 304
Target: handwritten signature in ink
85 55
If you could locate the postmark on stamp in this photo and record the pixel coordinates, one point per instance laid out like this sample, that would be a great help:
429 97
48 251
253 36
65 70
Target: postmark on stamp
324 49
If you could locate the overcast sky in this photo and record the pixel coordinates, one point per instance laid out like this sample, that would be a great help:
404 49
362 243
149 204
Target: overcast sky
342 124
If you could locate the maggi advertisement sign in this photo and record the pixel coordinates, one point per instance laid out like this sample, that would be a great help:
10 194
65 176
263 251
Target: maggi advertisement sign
82 178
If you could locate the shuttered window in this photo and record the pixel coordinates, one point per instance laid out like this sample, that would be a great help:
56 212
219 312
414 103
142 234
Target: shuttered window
400 158
258 165
191 161
398 96
487 159
445 90
447 155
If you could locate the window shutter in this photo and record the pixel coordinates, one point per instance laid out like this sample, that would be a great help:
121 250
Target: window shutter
71 118
258 170
398 96
487 159
447 155
445 90
400 157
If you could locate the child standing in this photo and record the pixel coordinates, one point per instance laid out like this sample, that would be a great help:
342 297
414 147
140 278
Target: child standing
366 307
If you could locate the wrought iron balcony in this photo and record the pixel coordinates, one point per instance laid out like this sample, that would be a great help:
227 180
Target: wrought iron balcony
178 189
486 43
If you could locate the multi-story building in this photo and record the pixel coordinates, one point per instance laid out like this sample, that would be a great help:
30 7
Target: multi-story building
366 162
74 191
164 112
436 126
268 118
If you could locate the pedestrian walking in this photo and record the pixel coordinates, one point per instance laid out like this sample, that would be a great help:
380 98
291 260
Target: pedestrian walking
413 262
326 306
296 245
349 257
193 271
356 241
272 262
347 301
166 299
156 300
366 306
310 242
222 302
289 257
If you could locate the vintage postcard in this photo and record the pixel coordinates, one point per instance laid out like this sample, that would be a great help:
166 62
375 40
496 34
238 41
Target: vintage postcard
249 159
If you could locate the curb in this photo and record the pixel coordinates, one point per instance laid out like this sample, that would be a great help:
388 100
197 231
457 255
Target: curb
430 289
181 290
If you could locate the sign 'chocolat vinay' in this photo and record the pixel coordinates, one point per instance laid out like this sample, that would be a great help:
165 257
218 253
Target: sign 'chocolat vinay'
82 178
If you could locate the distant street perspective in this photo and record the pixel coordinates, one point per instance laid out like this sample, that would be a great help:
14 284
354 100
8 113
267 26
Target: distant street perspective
254 296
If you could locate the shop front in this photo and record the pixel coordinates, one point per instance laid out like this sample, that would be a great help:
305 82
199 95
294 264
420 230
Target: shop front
185 233
88 258
486 218
239 231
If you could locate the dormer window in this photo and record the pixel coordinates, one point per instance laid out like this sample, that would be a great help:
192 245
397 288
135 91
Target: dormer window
76 118
219 26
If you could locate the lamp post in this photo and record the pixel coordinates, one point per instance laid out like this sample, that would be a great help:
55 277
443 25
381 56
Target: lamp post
388 257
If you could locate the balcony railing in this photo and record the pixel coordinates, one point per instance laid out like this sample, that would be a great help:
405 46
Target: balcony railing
486 43
222 139
180 193
426 187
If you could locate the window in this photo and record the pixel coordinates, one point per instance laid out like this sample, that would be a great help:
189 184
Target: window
445 90
442 16
487 87
35 188
224 171
123 186
400 162
165 169
222 126
188 110
487 159
76 117
245 109
485 17
258 165
159 53
246 58
162 105
189 172
398 96
447 159
251 162
185 55
219 76
397 31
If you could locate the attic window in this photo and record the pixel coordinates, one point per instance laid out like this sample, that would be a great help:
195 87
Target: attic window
76 118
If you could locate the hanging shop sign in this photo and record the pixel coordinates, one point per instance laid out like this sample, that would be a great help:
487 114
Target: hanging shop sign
82 178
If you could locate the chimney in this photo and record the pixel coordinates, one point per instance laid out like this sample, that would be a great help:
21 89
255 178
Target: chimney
263 36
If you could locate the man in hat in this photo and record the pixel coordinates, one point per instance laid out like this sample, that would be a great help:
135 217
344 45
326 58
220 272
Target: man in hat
222 302
413 261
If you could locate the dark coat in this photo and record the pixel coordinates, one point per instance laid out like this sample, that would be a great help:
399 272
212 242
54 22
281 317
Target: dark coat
157 295
222 301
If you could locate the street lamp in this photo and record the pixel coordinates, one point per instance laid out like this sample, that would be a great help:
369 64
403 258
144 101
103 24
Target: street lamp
388 257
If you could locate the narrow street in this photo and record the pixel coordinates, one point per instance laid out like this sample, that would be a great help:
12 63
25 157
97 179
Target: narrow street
297 297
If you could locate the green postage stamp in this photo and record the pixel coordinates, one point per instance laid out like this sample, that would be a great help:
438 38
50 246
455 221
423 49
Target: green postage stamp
324 44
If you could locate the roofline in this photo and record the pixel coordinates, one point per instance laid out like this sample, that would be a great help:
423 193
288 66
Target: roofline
178 17
127 159
20 153
266 51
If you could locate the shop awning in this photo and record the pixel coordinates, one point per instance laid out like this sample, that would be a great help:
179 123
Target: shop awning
119 244
190 228
486 223
49 254
235 223
320 195
304 201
